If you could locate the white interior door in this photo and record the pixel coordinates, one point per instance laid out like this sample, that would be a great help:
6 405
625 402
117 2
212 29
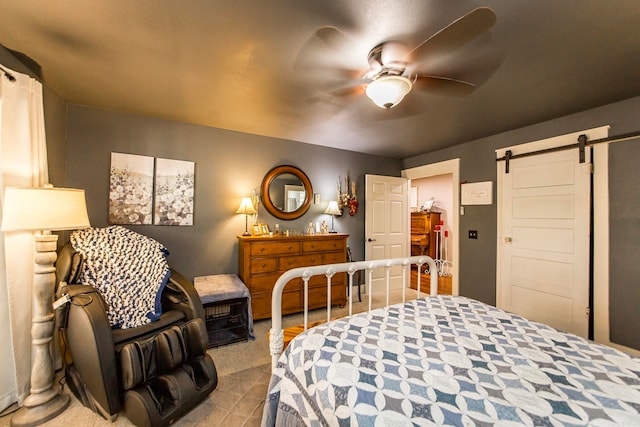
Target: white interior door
386 224
543 239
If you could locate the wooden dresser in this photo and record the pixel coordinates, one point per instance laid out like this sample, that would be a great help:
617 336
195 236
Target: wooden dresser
261 260
423 236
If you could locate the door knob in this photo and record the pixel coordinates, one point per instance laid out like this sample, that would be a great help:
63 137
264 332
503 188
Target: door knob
506 240
371 240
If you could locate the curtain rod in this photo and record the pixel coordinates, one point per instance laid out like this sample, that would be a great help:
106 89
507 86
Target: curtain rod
8 75
581 144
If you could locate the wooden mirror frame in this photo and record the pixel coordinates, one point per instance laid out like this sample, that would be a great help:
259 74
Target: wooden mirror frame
266 200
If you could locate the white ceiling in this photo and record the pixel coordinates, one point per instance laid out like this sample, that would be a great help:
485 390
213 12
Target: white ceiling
236 64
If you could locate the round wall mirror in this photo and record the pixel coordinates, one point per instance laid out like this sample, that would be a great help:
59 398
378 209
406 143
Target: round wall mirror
286 192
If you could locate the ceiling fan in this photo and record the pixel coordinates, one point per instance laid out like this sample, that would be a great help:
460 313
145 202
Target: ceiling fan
395 68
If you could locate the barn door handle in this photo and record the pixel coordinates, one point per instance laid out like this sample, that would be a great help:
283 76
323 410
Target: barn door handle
371 240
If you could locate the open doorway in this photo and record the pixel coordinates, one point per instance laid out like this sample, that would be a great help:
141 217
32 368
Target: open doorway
437 184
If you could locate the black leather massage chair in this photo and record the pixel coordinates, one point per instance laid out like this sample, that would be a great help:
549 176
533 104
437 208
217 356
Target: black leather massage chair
154 373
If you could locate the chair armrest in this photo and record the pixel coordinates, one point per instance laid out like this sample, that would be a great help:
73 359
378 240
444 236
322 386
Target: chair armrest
180 294
90 343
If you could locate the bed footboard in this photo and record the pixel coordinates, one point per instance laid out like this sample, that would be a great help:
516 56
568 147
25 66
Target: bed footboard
276 335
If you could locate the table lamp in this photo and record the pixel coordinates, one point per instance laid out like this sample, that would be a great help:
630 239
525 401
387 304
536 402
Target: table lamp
246 208
43 209
333 210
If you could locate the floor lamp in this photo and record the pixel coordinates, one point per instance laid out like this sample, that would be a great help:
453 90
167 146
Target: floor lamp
43 210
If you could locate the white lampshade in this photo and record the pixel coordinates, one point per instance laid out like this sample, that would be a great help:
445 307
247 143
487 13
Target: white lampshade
47 208
246 207
388 91
333 208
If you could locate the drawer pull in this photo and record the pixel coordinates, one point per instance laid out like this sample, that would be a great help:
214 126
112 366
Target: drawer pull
290 247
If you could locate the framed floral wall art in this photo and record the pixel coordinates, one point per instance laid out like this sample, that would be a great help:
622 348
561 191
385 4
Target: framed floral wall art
174 191
130 189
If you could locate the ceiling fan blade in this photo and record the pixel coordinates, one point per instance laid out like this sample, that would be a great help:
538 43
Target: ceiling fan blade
322 47
475 66
339 101
317 57
333 37
329 73
443 86
335 93
455 35
351 88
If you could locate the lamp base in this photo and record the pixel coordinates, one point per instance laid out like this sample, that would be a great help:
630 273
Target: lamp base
36 415
246 226
333 232
44 401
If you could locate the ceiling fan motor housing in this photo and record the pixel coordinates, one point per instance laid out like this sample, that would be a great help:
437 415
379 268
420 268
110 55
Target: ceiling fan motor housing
387 59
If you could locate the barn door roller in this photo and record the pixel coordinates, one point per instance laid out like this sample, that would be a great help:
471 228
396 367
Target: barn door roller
582 143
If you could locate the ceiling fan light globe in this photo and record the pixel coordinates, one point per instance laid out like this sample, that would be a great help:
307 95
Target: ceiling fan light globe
388 91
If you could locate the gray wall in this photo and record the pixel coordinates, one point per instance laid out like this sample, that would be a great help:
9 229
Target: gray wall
55 118
228 166
477 163
624 218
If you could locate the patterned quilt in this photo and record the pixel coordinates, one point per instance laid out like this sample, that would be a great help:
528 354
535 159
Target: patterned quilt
450 361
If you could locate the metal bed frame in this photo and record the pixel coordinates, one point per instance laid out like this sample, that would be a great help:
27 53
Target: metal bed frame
276 336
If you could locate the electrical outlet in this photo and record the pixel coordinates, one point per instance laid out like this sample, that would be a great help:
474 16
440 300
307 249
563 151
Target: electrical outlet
473 234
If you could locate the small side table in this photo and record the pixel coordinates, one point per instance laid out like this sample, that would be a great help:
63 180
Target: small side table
227 305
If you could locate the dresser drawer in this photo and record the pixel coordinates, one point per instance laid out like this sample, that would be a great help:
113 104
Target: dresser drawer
274 248
262 260
261 304
323 245
264 265
333 258
266 282
318 296
289 262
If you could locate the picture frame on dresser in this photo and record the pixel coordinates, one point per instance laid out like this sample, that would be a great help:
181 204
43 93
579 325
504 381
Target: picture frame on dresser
256 230
264 228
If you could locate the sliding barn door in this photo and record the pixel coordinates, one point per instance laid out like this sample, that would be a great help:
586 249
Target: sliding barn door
544 240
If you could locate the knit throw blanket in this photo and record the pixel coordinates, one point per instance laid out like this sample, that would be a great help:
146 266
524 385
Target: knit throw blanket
128 269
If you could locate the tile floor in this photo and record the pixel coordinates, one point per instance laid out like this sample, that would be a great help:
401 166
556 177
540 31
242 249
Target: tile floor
236 402
244 371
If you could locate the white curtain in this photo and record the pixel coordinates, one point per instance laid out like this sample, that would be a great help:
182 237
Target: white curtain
23 163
